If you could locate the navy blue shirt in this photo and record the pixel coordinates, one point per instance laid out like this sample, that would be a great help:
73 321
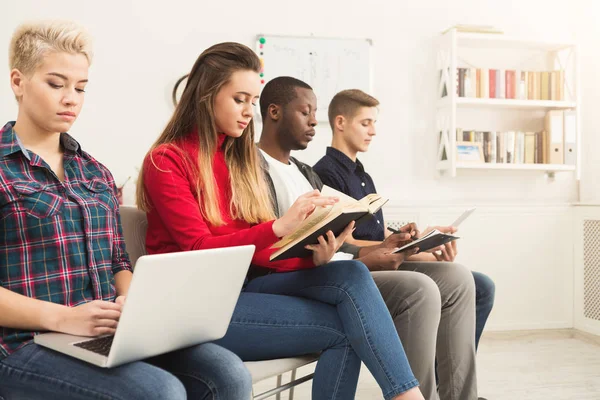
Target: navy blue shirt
338 171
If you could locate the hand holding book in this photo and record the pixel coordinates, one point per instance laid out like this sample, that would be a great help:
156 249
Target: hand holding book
432 240
324 218
328 245
302 208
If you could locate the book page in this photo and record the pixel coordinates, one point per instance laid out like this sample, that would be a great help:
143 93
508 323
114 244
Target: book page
323 215
431 234
373 202
344 198
317 216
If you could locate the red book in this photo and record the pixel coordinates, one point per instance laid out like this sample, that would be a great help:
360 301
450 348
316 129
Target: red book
493 74
478 79
510 84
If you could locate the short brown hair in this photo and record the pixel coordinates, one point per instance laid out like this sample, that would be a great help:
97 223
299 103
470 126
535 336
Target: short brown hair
347 103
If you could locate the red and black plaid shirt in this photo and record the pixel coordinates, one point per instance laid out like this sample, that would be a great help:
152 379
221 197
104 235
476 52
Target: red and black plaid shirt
59 241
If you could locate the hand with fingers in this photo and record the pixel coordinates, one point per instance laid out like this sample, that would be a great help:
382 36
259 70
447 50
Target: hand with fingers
383 259
121 300
329 245
404 235
448 251
91 319
300 210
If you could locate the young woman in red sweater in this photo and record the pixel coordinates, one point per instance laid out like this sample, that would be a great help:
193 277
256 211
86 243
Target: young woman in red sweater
202 188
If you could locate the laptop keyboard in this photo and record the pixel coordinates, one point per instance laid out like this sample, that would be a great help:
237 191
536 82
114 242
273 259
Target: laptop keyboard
101 345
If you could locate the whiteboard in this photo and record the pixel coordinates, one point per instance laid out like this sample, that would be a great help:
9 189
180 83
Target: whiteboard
328 65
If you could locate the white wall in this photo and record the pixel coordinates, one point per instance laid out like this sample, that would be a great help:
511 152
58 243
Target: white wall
589 40
142 48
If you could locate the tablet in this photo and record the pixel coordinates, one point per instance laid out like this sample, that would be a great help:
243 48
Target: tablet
463 216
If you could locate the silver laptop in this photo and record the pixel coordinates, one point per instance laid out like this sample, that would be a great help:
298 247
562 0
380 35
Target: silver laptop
175 300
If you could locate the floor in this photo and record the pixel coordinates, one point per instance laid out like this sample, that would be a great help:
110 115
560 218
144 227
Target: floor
528 365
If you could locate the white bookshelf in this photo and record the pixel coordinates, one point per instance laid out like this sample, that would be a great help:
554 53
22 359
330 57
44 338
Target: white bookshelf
457 49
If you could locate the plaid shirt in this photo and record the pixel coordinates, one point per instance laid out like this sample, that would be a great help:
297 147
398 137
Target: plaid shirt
59 241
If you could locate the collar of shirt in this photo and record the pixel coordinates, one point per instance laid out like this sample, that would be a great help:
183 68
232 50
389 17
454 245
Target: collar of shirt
344 160
10 142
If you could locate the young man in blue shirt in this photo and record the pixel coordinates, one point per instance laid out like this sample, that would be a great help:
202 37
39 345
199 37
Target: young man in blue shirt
352 116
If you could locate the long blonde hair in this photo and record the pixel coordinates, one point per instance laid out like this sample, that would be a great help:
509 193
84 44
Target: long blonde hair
250 200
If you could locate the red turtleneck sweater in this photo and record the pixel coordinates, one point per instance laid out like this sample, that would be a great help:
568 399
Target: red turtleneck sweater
175 222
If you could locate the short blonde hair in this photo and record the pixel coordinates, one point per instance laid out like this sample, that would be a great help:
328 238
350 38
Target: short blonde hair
32 41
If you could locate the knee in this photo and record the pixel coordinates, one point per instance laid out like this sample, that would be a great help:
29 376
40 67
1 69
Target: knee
460 279
238 382
351 272
402 290
230 378
485 289
163 386
430 294
171 389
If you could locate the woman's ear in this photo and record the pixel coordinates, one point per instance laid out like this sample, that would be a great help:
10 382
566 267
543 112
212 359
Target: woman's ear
17 81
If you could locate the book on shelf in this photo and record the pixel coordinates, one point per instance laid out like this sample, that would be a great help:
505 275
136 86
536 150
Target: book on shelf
570 134
428 241
554 125
489 147
490 83
556 144
500 147
519 148
323 219
529 147
510 84
522 83
493 75
553 86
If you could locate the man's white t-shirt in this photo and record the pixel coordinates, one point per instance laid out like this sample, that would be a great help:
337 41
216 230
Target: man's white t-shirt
289 182
289 185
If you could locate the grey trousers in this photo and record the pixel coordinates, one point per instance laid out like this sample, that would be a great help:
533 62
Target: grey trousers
433 307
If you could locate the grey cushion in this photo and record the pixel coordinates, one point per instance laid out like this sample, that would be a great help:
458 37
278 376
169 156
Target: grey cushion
134 224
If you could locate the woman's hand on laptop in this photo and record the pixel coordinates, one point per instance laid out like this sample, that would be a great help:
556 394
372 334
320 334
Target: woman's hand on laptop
91 319
327 247
302 208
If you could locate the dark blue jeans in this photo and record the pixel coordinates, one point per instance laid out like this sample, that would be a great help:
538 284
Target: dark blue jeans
268 326
485 292
206 371
349 287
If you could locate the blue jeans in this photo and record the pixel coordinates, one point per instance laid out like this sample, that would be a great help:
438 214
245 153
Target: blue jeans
349 286
268 326
263 326
205 371
485 291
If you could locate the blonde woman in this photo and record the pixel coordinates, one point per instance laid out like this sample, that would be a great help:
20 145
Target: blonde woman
54 197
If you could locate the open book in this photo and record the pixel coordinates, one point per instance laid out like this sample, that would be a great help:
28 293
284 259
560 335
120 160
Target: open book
323 219
433 239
